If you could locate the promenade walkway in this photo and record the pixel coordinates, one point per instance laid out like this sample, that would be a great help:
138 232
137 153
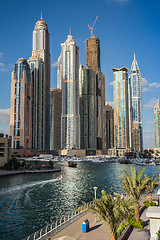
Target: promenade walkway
98 230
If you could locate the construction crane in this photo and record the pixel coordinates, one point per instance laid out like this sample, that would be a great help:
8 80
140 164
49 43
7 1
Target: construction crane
91 28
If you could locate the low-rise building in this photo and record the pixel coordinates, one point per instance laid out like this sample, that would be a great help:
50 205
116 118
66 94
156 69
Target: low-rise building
5 148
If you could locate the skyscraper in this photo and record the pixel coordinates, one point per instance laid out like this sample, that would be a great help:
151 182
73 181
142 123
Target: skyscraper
70 118
38 107
59 73
93 53
21 106
55 118
109 126
93 61
121 110
41 47
88 106
103 111
157 125
135 81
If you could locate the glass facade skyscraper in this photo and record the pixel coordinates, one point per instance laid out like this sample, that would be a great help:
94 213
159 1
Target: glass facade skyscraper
136 100
41 47
70 118
38 108
21 106
88 108
122 113
55 118
157 125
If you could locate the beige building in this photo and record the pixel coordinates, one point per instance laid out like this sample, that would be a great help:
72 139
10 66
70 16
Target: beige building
55 115
5 148
21 106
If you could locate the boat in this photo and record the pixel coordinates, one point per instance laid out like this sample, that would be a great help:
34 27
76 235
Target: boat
123 161
72 164
59 178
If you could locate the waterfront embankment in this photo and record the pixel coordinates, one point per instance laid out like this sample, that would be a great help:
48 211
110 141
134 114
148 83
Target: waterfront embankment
19 172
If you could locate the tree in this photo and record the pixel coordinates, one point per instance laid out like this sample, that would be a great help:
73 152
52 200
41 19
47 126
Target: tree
113 212
135 186
152 183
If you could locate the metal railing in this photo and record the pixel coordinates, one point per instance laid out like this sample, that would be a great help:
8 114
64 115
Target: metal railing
53 228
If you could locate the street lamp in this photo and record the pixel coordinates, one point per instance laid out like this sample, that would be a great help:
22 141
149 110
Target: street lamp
95 189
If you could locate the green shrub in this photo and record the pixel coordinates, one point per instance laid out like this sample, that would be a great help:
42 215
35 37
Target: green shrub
135 224
121 229
147 204
158 234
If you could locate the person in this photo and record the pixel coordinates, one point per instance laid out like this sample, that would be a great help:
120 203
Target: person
122 197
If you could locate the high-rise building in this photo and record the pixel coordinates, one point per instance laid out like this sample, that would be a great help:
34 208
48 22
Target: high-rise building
41 47
136 136
70 118
59 73
103 111
109 126
93 53
38 107
93 61
88 106
157 125
55 118
122 118
21 106
135 81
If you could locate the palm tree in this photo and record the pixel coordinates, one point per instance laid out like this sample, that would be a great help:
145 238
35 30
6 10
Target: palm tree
152 183
135 186
111 211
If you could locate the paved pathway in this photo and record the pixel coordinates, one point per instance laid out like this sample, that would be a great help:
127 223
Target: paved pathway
98 230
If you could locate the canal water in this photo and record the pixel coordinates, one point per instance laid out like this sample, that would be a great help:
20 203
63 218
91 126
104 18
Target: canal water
29 202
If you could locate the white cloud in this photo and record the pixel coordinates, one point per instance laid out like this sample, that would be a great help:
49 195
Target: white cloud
2 64
147 131
144 81
4 70
148 137
4 115
110 103
111 83
55 64
149 86
150 122
145 89
151 103
1 54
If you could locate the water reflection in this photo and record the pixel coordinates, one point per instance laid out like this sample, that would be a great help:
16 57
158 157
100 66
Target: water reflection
28 202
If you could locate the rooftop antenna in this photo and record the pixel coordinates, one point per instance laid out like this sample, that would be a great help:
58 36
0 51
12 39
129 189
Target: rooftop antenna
41 15
134 57
91 28
70 31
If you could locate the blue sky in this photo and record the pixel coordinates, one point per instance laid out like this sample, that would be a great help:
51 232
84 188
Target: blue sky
124 27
